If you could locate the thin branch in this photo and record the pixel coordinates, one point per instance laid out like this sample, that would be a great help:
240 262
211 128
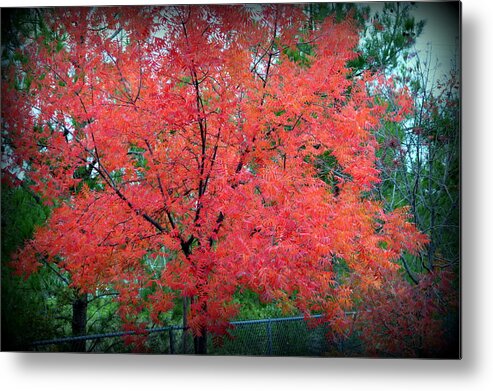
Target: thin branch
408 271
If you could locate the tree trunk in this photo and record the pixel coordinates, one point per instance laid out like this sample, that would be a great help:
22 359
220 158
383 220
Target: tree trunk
79 321
200 342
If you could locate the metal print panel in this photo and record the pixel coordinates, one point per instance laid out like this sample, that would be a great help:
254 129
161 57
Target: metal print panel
232 179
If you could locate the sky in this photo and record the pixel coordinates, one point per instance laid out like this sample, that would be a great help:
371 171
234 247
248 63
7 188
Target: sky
441 31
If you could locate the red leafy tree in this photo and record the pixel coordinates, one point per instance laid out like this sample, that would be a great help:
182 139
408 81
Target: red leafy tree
191 135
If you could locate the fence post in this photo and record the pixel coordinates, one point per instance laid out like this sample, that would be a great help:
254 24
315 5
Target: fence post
269 337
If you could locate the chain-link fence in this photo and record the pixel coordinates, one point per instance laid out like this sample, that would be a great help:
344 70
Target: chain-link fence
293 336
274 337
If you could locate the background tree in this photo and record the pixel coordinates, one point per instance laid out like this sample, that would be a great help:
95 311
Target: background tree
420 164
388 37
33 318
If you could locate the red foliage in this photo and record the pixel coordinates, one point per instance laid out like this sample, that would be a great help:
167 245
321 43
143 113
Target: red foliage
201 132
407 320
